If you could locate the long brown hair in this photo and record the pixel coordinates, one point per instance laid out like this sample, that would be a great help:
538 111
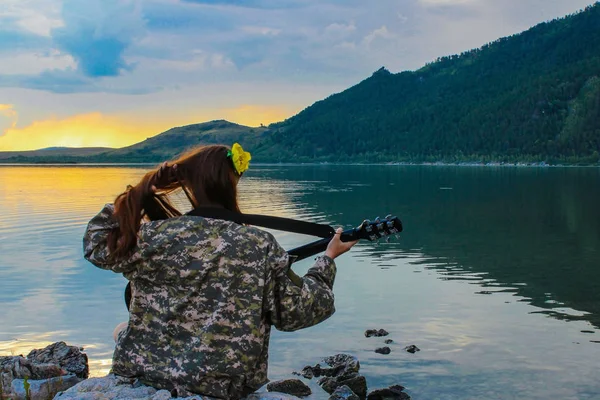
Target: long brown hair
207 176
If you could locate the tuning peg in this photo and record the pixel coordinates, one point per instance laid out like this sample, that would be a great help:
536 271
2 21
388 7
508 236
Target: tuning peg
389 216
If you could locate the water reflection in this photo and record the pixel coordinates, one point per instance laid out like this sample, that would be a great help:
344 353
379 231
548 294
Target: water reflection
485 252
537 230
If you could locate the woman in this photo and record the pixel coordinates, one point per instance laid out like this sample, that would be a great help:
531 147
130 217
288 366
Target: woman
205 292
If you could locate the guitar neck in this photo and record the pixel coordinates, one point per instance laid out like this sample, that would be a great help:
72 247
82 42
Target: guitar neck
318 246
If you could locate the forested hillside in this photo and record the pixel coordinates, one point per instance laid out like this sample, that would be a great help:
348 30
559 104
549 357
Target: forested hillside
534 96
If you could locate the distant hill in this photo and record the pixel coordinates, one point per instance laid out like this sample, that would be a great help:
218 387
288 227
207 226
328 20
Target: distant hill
533 96
52 152
152 150
177 140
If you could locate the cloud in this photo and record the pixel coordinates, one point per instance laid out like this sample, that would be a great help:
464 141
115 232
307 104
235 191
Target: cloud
435 3
259 4
144 46
8 118
34 16
35 63
70 81
261 30
12 40
97 33
381 32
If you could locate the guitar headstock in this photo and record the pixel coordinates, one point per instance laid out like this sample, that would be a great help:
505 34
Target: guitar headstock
379 228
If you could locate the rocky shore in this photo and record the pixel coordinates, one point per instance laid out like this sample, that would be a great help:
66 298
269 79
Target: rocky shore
61 372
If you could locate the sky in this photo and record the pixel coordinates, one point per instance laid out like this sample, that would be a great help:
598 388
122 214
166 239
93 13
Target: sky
110 73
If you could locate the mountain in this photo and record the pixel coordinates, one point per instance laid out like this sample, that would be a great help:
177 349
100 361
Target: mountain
533 96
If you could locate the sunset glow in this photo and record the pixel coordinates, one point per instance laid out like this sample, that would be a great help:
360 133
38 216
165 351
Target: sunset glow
99 130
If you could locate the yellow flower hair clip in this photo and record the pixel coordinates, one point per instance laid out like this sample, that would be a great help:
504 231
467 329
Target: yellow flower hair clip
240 158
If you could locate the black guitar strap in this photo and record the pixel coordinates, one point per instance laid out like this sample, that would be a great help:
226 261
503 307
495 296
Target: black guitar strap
266 221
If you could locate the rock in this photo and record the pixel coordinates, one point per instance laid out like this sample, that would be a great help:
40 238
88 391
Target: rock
383 350
70 358
344 371
290 386
112 387
309 372
46 371
342 365
356 383
412 348
388 341
13 368
392 393
343 393
270 396
375 332
54 368
42 389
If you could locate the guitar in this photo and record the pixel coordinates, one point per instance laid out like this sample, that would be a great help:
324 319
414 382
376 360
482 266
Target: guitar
369 230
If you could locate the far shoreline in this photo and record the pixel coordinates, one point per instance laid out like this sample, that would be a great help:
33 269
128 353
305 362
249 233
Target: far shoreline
327 163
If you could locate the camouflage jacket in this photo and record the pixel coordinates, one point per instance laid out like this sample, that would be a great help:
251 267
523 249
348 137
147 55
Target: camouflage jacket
205 293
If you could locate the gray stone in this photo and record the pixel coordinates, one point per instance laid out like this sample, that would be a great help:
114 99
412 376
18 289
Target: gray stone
13 368
271 396
394 392
412 348
112 387
340 365
290 386
42 389
356 383
348 362
388 341
376 332
70 358
343 393
383 350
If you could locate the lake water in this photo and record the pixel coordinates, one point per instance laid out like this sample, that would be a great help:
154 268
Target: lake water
496 277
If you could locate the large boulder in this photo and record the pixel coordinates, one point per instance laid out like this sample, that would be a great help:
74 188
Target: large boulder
41 389
43 373
70 358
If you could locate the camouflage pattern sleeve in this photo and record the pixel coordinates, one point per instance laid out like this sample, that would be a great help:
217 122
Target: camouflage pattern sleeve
294 303
95 242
